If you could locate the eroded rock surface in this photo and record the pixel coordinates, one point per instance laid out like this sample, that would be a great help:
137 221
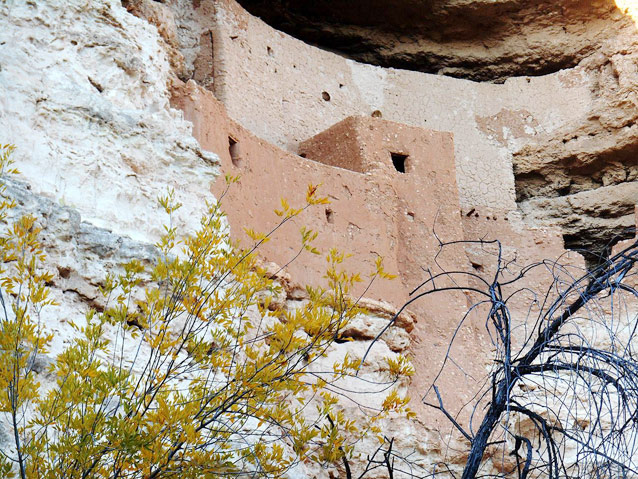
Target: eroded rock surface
584 176
85 97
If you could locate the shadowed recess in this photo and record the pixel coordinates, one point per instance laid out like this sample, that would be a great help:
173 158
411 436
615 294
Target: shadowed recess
483 40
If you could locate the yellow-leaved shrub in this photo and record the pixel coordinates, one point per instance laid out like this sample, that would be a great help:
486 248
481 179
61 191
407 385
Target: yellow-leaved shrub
186 372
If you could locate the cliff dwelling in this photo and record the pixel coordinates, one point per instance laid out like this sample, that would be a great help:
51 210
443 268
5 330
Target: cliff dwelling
433 129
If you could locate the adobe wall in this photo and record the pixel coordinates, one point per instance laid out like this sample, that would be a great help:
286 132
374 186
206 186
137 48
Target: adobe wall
377 210
285 79
374 212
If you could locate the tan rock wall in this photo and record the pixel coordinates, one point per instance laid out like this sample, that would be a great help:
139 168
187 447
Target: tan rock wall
584 176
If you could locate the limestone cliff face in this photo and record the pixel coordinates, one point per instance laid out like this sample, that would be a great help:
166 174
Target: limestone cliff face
84 96
584 176
86 90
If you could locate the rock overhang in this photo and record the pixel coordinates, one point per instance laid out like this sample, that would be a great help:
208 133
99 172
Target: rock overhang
480 40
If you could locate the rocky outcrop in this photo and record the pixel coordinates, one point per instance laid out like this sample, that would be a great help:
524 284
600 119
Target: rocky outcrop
79 256
584 176
479 39
85 97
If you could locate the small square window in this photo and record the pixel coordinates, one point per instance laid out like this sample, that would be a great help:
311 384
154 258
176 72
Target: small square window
399 161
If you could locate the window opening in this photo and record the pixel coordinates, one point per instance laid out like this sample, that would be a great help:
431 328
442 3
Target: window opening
235 152
399 160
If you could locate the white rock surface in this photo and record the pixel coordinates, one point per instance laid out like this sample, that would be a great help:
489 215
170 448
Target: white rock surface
84 95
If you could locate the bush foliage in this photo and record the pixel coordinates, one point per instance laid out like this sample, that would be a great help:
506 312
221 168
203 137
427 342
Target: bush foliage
186 372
